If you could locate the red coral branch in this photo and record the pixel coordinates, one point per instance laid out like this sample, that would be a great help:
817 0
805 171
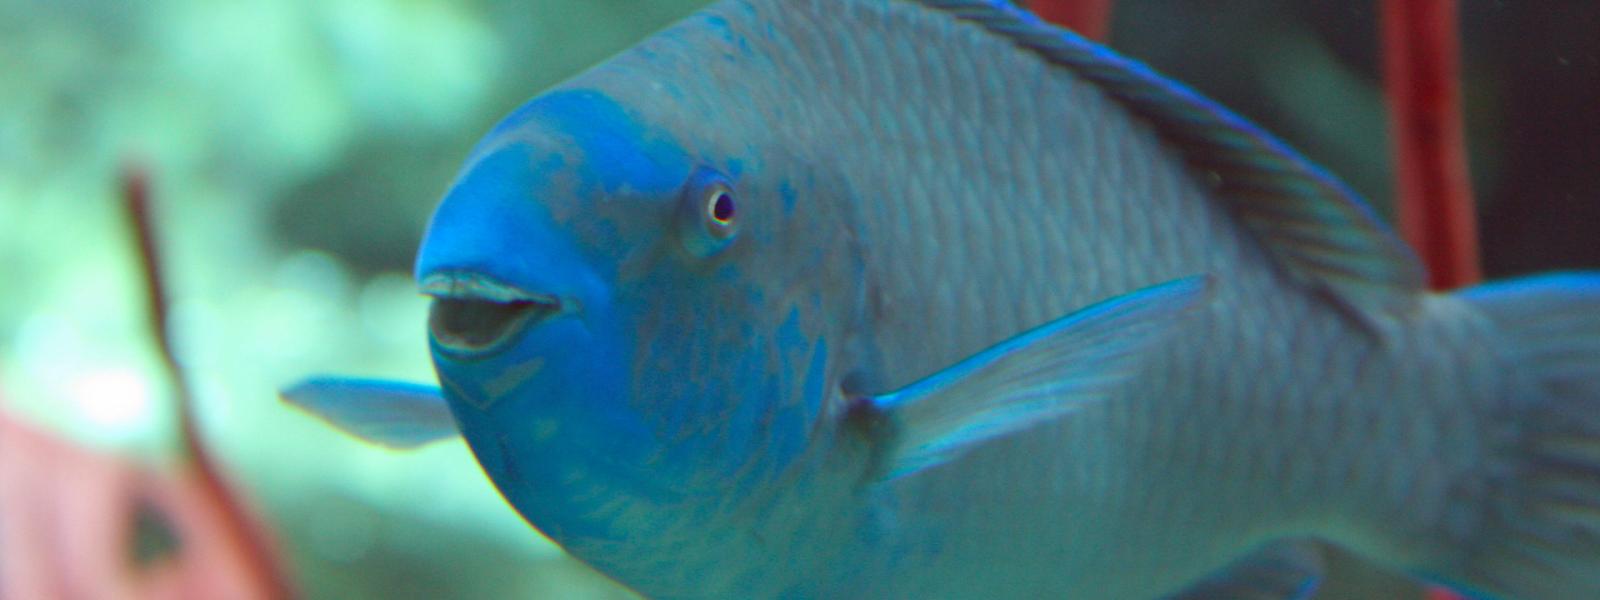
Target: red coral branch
249 538
1421 73
1090 18
1422 80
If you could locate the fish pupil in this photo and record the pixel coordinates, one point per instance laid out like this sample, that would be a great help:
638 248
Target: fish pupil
722 207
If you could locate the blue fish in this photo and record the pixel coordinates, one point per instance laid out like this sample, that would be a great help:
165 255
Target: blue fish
918 299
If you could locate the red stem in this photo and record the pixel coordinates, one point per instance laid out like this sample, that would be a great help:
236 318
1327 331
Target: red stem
255 546
1090 18
1421 74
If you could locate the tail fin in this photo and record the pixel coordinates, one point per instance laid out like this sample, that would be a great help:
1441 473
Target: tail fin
1541 531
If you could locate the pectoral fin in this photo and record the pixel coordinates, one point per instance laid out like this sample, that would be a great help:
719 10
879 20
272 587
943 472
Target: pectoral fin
388 413
1034 377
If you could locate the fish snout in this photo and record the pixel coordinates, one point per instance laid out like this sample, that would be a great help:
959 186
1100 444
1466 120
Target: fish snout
474 315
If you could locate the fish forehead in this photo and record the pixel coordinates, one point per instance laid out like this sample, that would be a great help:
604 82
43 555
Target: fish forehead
714 82
573 169
581 143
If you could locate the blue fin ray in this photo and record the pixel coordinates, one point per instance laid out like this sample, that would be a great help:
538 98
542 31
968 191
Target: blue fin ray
1039 375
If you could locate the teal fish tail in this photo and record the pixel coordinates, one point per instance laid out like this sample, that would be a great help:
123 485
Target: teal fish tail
1539 531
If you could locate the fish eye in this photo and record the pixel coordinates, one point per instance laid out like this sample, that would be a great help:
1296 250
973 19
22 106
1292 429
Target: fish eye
710 218
720 209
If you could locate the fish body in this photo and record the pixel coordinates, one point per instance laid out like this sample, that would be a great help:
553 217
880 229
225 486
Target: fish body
809 299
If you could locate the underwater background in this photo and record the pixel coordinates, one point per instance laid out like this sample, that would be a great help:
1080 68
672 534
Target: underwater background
296 147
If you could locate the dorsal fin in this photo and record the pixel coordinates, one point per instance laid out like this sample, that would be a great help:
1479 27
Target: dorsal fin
1316 228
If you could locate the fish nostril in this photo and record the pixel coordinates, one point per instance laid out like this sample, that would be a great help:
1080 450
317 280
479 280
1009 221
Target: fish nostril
475 326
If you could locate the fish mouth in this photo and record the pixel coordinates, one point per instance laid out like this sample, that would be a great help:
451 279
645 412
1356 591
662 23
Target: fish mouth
475 315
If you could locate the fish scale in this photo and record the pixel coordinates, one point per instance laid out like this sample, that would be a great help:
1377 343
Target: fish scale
993 312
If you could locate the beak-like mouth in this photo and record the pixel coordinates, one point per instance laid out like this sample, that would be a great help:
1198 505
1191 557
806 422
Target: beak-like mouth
474 315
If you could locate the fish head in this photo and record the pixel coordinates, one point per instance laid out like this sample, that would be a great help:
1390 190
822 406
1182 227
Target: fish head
631 306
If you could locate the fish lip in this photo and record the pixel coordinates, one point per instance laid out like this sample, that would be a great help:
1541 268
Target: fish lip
468 285
476 315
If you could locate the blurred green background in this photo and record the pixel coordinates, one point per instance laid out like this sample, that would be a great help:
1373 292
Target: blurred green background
297 146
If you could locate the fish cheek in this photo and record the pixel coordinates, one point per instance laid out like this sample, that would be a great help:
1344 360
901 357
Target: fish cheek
695 344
